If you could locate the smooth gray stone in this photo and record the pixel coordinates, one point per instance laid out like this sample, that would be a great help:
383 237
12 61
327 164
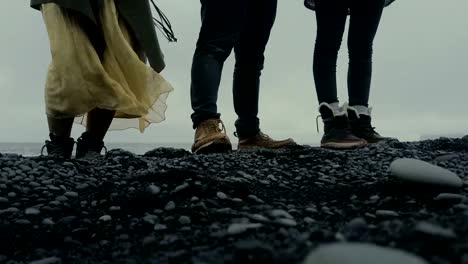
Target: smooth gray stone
105 218
286 222
32 211
447 157
170 206
153 189
51 260
48 222
417 171
386 213
435 230
453 197
221 195
239 228
279 213
71 194
360 253
184 220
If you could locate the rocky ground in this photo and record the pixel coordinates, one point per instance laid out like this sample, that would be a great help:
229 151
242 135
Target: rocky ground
169 206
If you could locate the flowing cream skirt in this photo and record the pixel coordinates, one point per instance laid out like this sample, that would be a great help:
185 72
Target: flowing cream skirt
79 81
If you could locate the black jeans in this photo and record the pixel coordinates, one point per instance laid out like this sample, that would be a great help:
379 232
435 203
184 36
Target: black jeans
331 20
242 25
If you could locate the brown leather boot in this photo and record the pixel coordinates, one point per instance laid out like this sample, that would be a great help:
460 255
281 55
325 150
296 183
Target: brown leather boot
211 137
262 140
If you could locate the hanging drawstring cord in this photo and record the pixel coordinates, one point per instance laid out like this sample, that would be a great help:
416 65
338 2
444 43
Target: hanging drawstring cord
164 25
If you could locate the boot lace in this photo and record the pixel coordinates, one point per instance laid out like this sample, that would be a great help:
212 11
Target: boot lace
339 123
317 123
260 134
264 136
213 127
366 126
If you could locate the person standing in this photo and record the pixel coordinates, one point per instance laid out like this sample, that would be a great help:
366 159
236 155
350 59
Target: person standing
98 75
243 26
349 125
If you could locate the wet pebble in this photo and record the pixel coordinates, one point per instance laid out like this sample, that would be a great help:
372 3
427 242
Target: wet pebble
434 230
48 222
279 213
105 218
153 189
159 227
221 195
238 228
49 260
32 211
184 220
170 206
23 222
386 213
360 253
286 222
450 197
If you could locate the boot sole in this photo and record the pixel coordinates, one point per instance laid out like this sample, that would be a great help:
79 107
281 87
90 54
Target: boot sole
214 147
336 145
265 148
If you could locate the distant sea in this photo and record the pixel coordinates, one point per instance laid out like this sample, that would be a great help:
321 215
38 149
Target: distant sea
34 149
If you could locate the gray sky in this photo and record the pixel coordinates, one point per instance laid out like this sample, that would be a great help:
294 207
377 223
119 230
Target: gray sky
420 83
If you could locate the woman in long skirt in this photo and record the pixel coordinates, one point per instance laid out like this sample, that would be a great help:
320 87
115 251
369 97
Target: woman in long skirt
98 75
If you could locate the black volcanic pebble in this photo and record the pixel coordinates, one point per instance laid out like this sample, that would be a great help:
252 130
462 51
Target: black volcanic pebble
259 206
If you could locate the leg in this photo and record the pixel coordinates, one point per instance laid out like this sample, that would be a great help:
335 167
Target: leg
331 20
60 127
219 29
61 144
364 22
257 24
98 122
365 18
258 21
218 33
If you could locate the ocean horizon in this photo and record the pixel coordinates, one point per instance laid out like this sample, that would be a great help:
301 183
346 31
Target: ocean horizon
34 148
29 149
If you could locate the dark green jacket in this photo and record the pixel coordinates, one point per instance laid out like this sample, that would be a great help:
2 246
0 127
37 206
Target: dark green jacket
138 15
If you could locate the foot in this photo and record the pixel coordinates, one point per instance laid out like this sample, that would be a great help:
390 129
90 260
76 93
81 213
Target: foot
58 147
211 137
88 147
338 134
360 122
262 140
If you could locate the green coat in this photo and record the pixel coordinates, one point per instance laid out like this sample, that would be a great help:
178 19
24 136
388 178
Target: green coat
138 15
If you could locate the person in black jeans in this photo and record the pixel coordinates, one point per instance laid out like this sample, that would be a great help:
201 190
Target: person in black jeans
244 26
347 126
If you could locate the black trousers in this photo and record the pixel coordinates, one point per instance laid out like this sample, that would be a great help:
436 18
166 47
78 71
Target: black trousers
242 25
331 20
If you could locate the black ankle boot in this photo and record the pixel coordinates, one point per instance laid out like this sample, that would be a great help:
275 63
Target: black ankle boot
59 147
88 145
361 124
337 132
